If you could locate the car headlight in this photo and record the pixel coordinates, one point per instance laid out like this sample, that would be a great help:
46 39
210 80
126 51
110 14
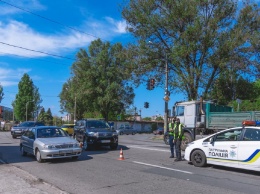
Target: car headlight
76 145
114 133
49 146
92 134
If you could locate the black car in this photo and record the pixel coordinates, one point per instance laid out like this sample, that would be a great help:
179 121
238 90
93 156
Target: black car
95 132
17 131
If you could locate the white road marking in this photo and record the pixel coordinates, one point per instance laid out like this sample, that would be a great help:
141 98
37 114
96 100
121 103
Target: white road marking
152 149
156 166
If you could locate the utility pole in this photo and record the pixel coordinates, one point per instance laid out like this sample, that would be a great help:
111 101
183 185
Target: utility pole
166 97
75 105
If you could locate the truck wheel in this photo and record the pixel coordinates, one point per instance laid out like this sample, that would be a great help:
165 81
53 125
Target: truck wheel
166 139
198 158
187 139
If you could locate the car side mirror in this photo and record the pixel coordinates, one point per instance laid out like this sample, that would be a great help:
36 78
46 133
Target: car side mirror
212 140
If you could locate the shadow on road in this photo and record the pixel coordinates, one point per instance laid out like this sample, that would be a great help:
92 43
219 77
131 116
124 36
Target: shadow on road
10 153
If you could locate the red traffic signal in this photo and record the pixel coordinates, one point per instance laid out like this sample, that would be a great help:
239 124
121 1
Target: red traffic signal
152 83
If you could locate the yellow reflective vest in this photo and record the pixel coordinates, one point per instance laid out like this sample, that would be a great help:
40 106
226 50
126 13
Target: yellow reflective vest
171 128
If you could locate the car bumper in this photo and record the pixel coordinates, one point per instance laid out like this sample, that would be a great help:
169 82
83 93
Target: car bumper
62 153
16 133
187 153
102 141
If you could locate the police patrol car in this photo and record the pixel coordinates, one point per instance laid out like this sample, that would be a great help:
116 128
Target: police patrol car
235 147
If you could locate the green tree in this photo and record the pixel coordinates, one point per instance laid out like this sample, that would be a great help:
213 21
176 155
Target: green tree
48 118
27 99
147 119
1 93
99 82
41 115
198 39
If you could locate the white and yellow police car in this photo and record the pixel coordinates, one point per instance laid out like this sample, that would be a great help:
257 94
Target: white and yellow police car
235 147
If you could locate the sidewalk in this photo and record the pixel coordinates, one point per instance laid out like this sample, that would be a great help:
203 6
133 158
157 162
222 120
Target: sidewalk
14 180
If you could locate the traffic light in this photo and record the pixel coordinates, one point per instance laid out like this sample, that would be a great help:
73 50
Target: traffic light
152 82
148 85
146 105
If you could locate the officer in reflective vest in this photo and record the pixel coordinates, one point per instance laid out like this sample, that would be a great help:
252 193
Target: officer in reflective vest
178 133
171 136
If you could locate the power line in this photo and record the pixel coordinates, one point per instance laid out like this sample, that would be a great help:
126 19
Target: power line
35 59
36 51
50 20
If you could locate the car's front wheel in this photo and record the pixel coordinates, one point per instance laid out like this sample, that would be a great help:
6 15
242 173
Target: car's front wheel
114 146
38 156
75 157
24 153
13 136
198 158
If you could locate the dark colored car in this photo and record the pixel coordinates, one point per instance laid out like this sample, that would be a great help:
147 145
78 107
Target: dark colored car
95 132
159 131
17 131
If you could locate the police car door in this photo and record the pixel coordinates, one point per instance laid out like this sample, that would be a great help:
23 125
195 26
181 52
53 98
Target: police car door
249 149
224 149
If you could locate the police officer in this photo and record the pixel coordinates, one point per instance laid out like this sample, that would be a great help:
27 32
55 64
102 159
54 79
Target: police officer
178 134
171 136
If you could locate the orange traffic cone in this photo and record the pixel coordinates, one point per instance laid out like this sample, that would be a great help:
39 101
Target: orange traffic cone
121 156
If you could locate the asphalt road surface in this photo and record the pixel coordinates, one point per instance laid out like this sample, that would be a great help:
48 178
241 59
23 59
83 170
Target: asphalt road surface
146 168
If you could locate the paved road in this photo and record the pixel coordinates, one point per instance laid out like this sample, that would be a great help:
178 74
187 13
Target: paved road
147 168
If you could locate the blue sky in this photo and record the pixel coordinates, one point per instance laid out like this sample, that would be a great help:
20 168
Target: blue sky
22 25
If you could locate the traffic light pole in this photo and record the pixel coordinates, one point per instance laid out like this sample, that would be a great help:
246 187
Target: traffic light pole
166 94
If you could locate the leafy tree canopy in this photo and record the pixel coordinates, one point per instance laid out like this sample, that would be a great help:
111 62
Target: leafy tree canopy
198 39
98 83
27 99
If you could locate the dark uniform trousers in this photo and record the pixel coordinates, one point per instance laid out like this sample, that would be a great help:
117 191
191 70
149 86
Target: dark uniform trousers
178 148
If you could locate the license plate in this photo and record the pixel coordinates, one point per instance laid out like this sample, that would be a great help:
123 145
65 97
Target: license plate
65 151
105 141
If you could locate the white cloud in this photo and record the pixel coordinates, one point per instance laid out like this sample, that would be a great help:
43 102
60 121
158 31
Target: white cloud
21 35
8 9
17 34
11 77
117 26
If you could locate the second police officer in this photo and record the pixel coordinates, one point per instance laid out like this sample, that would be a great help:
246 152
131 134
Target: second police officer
178 134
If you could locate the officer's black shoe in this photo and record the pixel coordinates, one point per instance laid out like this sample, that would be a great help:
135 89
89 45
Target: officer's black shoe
171 156
177 160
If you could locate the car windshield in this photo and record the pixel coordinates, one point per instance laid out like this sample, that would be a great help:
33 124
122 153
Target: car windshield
30 124
98 124
26 124
50 132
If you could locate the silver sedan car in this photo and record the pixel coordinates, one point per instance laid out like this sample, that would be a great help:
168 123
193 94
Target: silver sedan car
49 142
